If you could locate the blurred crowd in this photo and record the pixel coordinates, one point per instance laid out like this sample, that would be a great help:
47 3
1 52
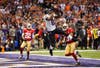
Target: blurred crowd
82 15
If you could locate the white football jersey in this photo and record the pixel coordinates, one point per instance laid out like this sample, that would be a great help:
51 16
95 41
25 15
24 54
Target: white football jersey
50 25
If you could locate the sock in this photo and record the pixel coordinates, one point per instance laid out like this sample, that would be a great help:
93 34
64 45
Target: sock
27 54
68 54
51 52
75 57
21 51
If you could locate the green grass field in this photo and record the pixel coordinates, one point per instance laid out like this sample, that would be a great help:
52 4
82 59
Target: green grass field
85 53
89 54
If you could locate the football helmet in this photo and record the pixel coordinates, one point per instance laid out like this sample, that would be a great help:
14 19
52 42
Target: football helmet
29 26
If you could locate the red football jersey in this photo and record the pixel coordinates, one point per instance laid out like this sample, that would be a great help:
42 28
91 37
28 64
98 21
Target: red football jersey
28 34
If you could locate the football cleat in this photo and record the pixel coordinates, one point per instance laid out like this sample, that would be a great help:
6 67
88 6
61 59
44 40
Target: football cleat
27 58
77 63
78 54
20 57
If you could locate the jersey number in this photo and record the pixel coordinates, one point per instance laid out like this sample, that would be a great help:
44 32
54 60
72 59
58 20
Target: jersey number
27 35
52 22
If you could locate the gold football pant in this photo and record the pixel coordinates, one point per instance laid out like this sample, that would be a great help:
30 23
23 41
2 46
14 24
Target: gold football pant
26 43
70 48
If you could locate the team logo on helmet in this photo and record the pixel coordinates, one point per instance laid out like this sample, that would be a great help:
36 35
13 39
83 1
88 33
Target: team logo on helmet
28 26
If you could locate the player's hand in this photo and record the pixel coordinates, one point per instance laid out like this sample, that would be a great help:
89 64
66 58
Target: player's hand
56 45
36 35
79 39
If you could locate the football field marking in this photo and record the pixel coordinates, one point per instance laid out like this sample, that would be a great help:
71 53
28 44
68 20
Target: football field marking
10 63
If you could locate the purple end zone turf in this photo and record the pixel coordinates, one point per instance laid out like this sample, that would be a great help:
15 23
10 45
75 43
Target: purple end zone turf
62 60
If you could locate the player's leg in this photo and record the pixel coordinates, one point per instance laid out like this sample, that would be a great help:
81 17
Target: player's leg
28 49
73 47
76 52
51 42
21 49
67 50
51 50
